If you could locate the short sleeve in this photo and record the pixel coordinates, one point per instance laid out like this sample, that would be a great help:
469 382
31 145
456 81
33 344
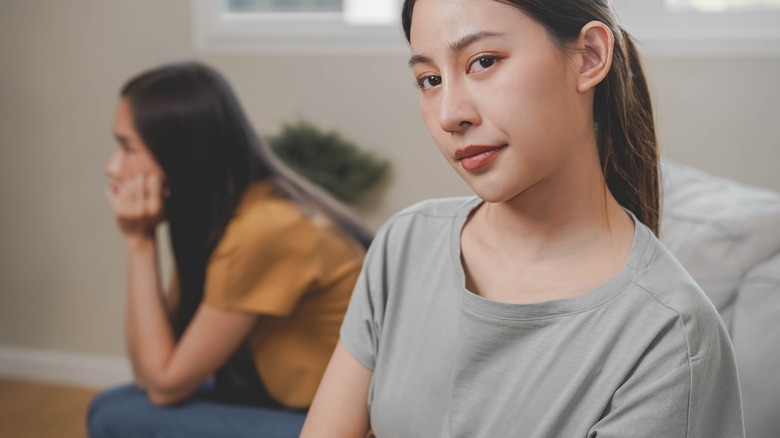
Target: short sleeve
362 326
265 263
685 385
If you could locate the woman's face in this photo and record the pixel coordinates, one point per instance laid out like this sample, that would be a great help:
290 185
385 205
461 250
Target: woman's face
498 95
131 157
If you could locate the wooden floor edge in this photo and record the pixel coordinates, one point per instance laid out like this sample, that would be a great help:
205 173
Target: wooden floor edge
64 368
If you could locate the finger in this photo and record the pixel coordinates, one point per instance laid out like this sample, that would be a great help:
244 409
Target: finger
130 197
123 198
140 182
129 189
153 195
139 197
146 186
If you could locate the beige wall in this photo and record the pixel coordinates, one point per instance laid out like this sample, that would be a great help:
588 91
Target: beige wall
61 63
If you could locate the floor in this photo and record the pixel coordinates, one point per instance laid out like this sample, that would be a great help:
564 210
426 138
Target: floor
35 410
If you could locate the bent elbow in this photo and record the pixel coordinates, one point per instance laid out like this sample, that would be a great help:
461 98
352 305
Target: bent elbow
163 398
167 393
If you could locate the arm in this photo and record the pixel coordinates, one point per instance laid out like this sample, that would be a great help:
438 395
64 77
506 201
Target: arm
340 405
171 299
173 296
169 371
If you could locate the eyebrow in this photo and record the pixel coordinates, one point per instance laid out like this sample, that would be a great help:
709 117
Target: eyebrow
457 46
123 140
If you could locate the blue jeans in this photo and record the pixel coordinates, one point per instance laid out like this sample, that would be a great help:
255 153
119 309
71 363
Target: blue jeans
125 411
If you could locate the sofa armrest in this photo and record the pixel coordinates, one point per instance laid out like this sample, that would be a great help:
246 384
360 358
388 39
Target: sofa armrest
719 230
756 338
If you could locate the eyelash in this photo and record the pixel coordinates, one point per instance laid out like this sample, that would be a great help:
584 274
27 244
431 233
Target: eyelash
495 59
419 82
125 147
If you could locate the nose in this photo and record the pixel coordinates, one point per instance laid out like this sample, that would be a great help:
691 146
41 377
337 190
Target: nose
457 111
114 165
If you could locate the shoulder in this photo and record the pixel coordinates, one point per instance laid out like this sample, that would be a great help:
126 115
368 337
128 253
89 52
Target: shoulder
438 207
424 224
416 231
673 292
694 328
663 277
260 207
263 218
429 213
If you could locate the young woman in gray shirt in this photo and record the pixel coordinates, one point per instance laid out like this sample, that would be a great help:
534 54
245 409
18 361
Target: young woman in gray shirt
544 306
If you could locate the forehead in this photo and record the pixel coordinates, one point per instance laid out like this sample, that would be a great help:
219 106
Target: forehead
439 22
123 118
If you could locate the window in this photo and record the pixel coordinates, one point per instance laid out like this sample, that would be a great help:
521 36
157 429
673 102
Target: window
703 27
722 5
298 26
662 27
283 6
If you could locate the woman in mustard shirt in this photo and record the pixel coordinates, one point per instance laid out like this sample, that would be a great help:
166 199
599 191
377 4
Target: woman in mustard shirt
264 268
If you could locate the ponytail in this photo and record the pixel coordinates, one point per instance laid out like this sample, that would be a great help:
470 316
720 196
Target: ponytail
626 137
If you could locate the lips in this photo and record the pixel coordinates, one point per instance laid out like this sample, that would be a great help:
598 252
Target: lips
474 157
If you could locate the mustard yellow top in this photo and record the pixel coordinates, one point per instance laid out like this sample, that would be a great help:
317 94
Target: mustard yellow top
297 273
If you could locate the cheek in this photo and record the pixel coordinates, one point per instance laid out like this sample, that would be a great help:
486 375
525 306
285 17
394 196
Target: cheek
130 168
136 164
526 90
145 163
429 110
532 108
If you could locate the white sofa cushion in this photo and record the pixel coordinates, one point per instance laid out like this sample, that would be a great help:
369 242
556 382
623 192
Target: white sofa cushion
718 229
756 339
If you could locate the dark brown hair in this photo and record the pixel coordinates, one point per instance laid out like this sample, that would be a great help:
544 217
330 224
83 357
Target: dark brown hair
622 111
192 122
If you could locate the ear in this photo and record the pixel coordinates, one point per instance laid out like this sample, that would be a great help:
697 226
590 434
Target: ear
594 54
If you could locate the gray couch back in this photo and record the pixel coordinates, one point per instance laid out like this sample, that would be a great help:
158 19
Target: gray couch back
727 235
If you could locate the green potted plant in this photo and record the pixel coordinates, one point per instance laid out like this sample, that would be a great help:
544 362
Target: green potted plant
330 161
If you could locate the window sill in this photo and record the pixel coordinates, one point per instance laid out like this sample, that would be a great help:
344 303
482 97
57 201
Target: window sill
289 33
657 31
696 34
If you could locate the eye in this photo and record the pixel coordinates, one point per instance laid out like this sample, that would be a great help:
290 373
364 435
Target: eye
482 63
428 82
125 146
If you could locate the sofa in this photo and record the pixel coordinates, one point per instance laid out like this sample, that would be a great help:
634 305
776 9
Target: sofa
727 235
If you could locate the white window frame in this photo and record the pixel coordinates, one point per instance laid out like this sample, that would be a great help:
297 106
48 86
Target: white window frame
290 33
657 30
692 33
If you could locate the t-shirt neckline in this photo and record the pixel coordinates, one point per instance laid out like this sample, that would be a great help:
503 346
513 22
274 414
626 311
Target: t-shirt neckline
545 309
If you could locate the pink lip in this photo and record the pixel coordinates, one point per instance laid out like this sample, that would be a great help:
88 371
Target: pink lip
473 157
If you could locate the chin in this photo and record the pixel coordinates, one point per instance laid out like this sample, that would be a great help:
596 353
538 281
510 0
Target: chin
490 188
495 199
493 195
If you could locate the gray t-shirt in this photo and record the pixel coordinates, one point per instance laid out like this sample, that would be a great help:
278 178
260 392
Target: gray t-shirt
644 355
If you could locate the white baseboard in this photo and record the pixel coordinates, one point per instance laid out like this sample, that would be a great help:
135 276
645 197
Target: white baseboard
74 369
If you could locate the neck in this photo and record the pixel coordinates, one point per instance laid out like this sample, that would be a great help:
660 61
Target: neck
561 215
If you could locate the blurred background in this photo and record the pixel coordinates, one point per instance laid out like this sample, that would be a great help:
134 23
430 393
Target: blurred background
62 266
